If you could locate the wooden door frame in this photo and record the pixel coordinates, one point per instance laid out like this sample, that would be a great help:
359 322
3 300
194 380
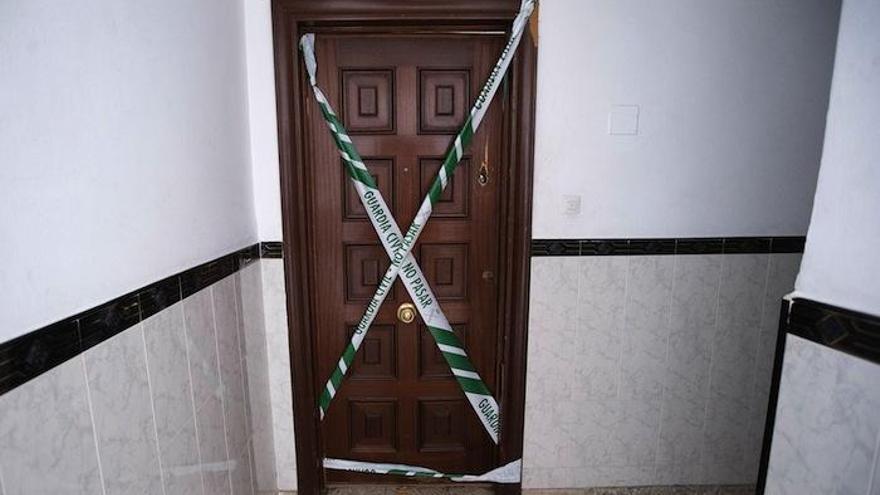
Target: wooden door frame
289 19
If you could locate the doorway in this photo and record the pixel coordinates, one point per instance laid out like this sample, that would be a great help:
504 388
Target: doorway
403 77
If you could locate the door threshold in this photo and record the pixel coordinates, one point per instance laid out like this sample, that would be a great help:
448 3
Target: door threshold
451 488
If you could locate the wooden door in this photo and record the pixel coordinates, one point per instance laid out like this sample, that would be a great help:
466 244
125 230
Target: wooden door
402 99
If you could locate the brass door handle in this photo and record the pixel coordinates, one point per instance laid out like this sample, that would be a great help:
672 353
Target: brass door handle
406 313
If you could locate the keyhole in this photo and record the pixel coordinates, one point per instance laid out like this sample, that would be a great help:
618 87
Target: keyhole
483 177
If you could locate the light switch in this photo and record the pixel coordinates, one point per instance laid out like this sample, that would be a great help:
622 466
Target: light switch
571 205
623 120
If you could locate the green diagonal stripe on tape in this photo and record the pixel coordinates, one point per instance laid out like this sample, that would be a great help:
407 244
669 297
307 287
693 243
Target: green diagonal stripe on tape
458 362
445 337
349 354
472 386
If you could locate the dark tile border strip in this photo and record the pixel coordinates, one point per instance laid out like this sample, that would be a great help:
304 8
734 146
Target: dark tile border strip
641 247
852 332
270 250
847 331
556 247
27 357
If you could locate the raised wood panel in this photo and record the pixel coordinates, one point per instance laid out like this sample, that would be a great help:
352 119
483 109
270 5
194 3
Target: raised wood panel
377 357
432 366
443 100
442 425
382 170
368 100
446 267
454 200
363 267
372 426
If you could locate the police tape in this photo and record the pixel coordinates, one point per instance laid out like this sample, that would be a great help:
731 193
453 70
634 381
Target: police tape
508 473
398 246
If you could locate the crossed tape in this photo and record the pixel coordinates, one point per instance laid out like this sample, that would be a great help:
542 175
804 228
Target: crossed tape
398 246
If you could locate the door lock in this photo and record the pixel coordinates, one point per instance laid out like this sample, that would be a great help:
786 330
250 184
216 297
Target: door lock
483 175
406 313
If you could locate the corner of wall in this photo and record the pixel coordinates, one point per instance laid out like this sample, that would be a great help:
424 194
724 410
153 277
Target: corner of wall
281 389
262 440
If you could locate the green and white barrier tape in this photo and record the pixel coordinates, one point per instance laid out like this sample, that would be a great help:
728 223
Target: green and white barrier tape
399 246
508 473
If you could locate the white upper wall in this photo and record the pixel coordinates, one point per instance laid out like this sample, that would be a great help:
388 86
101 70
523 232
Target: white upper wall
841 265
732 96
263 123
123 149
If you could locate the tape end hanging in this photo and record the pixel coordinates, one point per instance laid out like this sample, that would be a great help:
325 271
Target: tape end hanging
307 46
307 41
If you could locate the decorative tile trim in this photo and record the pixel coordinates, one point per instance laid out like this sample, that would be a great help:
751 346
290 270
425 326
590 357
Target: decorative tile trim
556 247
708 245
641 247
788 244
27 357
848 331
271 250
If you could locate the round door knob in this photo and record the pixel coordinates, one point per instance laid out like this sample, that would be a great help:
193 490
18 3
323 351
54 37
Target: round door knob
406 312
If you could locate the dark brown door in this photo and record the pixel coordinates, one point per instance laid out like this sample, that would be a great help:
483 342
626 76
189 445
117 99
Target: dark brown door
402 99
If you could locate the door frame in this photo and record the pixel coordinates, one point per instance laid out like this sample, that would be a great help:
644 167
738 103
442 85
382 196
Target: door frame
289 19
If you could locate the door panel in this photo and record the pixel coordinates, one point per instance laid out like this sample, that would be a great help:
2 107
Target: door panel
403 99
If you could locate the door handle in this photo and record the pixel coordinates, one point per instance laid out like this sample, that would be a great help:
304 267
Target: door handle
406 313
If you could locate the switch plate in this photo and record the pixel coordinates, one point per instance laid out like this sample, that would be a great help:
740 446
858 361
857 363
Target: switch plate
571 205
623 120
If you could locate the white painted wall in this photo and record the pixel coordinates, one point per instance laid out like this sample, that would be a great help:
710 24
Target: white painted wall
263 122
123 149
841 265
732 98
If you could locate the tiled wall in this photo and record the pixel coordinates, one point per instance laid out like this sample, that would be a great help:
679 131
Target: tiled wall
265 320
159 408
650 370
827 434
642 370
259 399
